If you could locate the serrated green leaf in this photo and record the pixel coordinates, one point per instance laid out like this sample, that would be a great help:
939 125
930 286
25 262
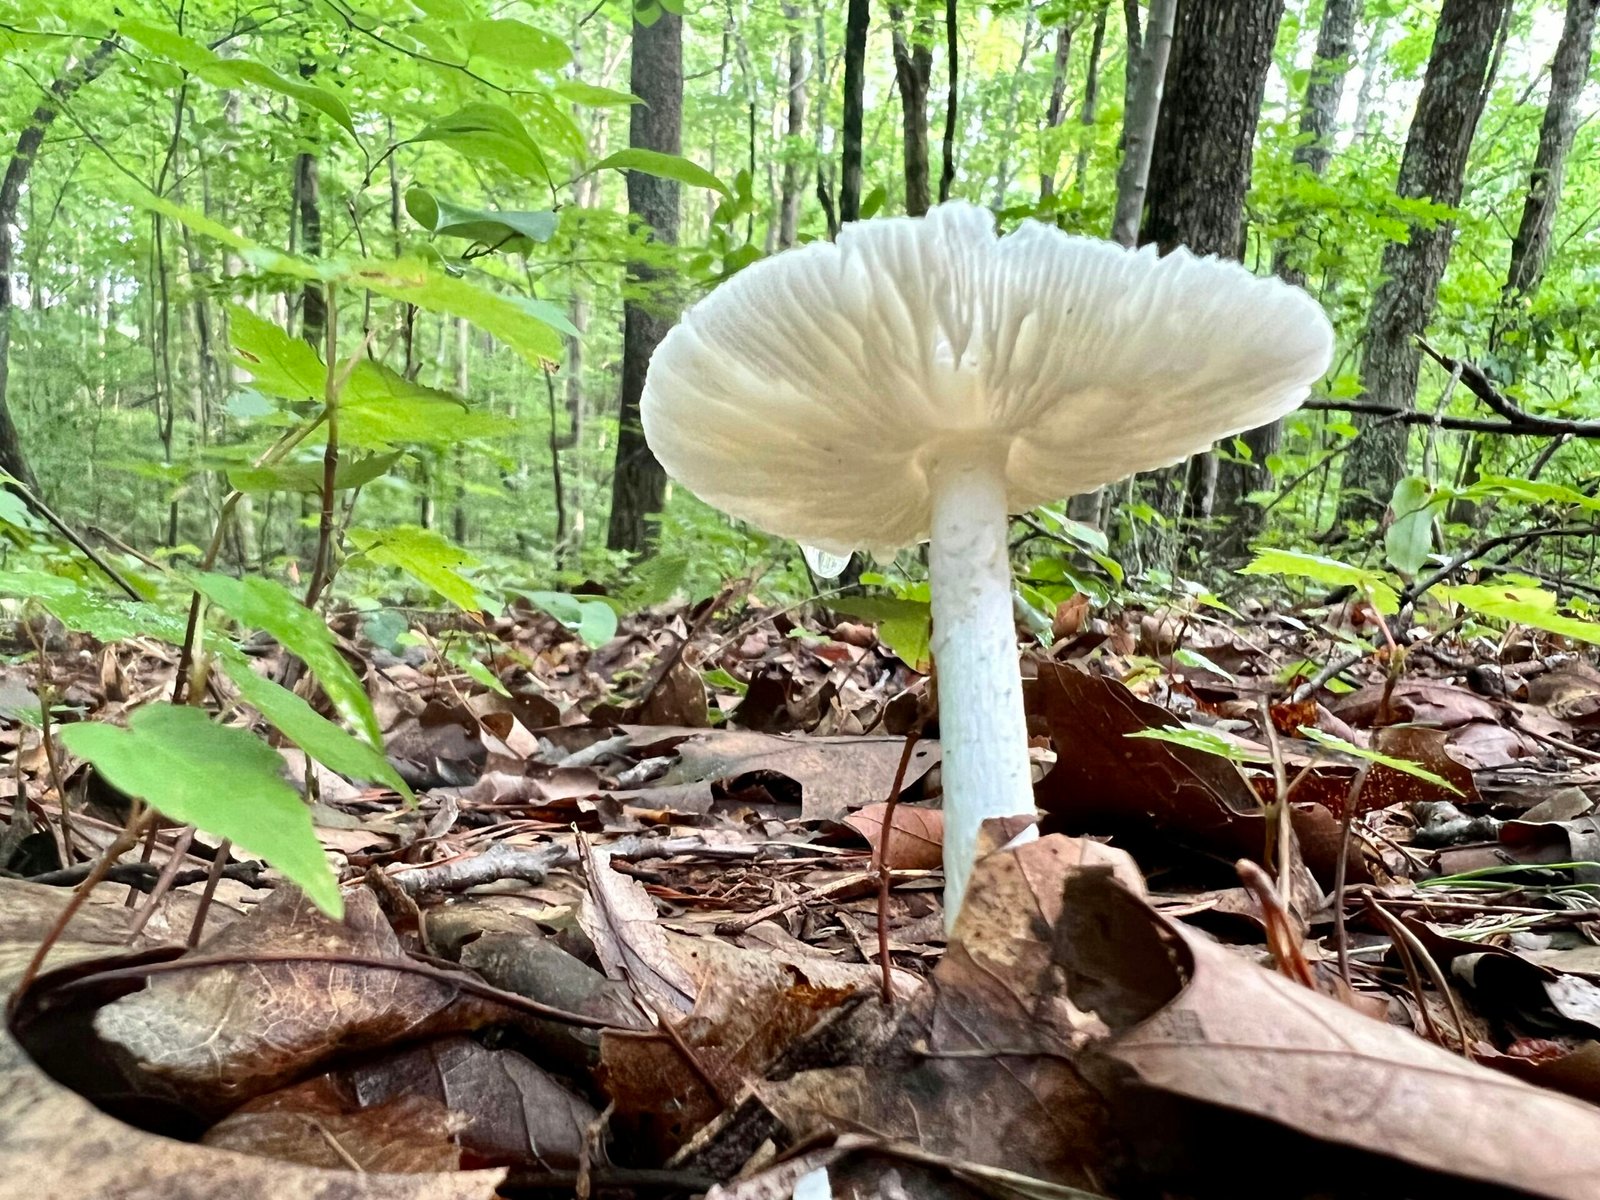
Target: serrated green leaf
1404 765
1374 584
312 732
903 625
85 609
308 476
664 166
1527 606
279 365
426 557
224 782
260 603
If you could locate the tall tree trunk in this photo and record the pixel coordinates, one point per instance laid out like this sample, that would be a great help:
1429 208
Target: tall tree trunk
12 460
638 485
1530 248
1055 112
952 50
1454 89
857 20
1318 116
913 70
463 382
794 130
1205 139
1002 181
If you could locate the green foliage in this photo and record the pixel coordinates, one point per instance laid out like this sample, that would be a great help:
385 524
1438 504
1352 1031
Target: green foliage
1375 585
904 625
1409 537
427 558
223 781
1331 741
1531 607
594 621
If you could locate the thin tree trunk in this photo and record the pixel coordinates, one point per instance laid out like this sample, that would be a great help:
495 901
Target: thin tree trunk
1091 97
913 69
313 311
1003 172
1055 113
638 485
12 460
1530 248
1141 114
857 20
794 130
1454 89
952 49
463 382
1318 117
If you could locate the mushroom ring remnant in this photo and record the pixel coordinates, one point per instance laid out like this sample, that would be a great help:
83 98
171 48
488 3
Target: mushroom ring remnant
922 379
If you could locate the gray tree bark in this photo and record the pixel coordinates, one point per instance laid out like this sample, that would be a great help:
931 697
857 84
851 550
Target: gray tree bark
913 71
1454 89
857 20
794 128
639 485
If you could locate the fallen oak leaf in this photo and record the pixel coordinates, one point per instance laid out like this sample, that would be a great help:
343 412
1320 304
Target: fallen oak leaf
916 835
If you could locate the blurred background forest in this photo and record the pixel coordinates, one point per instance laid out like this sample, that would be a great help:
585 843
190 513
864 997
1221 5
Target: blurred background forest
497 208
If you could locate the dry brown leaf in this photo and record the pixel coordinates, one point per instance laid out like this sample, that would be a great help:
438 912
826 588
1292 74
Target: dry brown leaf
916 841
620 919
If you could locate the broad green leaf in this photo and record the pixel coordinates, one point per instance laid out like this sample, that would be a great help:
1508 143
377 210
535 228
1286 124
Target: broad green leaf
85 609
511 231
312 732
665 166
592 620
904 625
514 43
415 282
1205 741
225 782
279 365
592 95
1409 537
487 132
427 558
260 603
15 513
1527 491
1403 765
1531 607
1374 584
208 65
308 476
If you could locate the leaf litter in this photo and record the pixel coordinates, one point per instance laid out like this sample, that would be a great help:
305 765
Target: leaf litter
628 942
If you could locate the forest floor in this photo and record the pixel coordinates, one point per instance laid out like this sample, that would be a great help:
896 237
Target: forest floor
666 921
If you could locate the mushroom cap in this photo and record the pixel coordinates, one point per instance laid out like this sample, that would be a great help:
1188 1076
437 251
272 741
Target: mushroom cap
810 394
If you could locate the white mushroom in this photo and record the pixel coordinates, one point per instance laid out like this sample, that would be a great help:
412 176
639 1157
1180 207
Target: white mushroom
922 379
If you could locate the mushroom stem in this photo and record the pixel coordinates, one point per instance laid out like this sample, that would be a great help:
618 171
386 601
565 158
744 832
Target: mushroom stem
982 729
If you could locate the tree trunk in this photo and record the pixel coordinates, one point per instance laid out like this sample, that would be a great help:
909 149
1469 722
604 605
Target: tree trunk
913 71
12 460
1009 133
1140 114
1530 248
1318 116
313 311
1205 139
1050 156
952 48
1454 89
1091 96
638 486
794 130
857 19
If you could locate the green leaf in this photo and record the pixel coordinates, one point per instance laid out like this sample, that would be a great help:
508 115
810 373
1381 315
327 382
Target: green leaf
592 95
514 43
904 625
260 603
1409 537
1374 584
279 365
1531 607
380 409
1403 765
512 231
311 731
1527 491
493 133
308 476
224 782
665 166
85 609
594 621
427 558
415 282
1205 741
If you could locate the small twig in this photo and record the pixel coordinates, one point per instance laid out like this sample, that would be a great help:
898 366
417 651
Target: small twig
82 547
219 868
1282 928
880 860
164 882
1346 820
